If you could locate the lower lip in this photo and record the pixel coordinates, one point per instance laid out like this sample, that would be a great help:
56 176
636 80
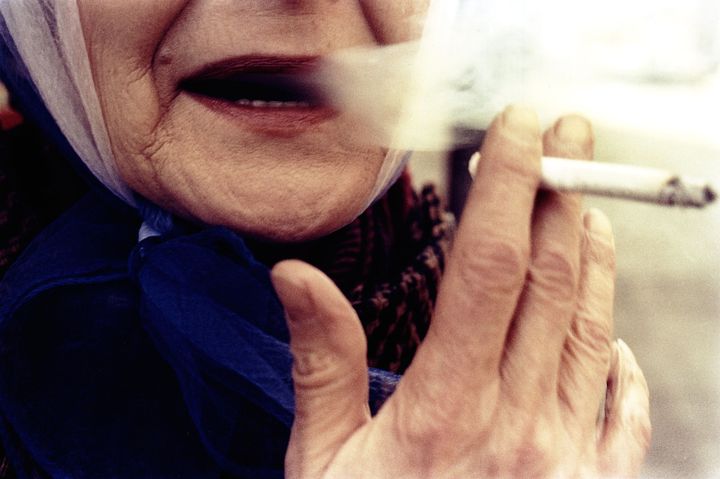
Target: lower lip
268 120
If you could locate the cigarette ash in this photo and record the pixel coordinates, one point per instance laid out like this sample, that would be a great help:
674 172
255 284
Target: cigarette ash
677 192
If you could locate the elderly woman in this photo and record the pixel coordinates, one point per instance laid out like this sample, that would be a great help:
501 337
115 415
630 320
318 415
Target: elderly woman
144 335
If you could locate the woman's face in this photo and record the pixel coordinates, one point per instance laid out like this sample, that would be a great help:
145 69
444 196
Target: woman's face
192 130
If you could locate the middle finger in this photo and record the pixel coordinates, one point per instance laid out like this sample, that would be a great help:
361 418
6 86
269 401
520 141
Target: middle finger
535 342
488 262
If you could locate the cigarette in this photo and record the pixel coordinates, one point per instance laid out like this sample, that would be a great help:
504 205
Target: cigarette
612 180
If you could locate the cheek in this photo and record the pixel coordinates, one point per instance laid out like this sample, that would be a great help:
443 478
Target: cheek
395 21
280 190
191 163
130 27
121 39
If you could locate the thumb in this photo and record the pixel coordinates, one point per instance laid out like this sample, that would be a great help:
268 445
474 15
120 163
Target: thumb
329 367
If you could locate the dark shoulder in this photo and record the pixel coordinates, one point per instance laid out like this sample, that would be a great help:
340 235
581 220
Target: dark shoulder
53 349
73 320
36 186
89 244
83 383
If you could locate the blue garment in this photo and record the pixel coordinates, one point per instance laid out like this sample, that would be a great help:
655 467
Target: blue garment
167 358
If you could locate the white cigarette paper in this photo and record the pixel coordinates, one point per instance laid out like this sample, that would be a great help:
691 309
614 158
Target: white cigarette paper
620 181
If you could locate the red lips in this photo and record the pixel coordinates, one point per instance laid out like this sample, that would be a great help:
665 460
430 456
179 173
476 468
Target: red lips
269 95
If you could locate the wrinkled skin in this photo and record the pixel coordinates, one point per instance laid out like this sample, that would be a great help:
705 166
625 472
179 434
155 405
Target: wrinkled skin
519 357
202 165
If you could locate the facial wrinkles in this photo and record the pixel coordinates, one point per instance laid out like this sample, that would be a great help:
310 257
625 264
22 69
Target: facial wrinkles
122 38
198 163
143 40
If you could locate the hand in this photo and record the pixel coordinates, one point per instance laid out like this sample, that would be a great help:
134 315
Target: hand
518 359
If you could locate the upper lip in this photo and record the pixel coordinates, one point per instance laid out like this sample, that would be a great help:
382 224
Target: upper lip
258 63
258 77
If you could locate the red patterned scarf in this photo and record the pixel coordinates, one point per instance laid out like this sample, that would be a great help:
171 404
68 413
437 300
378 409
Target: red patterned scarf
388 263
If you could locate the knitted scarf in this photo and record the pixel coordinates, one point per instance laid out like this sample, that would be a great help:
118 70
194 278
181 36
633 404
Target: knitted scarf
388 263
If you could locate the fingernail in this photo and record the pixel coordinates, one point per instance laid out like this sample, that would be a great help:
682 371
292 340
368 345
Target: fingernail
573 129
521 122
596 222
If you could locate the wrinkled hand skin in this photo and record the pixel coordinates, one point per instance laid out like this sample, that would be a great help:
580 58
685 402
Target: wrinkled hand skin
518 360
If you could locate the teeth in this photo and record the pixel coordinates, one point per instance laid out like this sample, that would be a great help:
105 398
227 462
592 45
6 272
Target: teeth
272 104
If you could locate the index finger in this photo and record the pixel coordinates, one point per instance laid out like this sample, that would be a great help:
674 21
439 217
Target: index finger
488 263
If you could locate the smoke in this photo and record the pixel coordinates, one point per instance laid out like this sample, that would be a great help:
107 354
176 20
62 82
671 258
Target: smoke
645 68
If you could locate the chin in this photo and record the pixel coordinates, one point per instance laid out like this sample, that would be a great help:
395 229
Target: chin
277 219
291 229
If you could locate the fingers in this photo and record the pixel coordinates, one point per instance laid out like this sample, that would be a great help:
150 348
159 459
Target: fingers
395 21
627 430
586 354
329 366
487 267
537 335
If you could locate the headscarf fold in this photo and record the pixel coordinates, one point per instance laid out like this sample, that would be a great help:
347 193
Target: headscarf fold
47 36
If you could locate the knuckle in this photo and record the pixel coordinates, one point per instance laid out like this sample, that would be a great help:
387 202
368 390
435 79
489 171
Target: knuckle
537 453
492 265
554 275
601 252
313 368
424 428
592 335
417 428
438 412
595 301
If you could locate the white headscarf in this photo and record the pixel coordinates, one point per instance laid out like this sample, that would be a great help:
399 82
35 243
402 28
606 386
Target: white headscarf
49 38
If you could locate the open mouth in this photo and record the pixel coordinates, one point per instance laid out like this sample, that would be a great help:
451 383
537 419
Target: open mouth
275 96
258 82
